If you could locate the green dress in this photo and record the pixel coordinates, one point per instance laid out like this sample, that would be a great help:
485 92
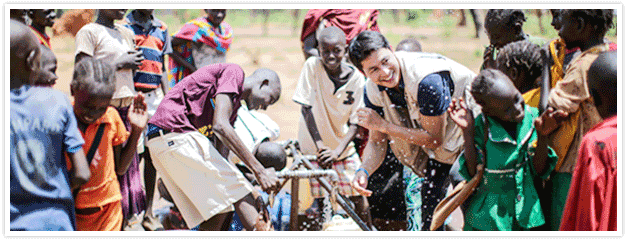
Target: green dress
506 198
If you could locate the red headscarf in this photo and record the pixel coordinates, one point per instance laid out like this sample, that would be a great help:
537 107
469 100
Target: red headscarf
351 21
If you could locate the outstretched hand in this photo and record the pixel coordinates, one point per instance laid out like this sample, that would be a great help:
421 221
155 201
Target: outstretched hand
360 183
137 114
460 114
549 121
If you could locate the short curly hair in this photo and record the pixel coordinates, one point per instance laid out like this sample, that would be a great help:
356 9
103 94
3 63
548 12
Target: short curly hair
482 84
525 59
601 19
95 76
503 17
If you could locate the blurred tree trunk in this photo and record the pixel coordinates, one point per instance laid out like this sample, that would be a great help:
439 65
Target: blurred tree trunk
266 17
462 18
395 15
295 24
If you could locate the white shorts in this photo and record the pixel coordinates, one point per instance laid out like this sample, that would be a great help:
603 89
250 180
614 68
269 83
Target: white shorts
202 183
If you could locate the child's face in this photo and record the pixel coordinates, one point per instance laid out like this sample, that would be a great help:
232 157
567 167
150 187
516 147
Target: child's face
43 17
88 107
115 14
46 75
501 35
503 101
556 19
569 30
215 16
332 52
382 68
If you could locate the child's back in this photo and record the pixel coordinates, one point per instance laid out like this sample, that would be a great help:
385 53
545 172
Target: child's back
43 127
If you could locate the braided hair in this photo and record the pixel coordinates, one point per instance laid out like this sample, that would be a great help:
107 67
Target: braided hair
522 62
95 76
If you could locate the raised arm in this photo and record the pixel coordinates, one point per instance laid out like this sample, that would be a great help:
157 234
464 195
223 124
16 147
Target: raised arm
176 56
138 118
223 129
464 118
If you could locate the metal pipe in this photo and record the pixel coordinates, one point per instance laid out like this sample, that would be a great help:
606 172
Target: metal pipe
343 201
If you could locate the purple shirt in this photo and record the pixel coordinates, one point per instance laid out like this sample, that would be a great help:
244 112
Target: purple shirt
189 105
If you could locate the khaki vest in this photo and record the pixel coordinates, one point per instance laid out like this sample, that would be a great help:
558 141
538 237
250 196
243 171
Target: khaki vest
414 68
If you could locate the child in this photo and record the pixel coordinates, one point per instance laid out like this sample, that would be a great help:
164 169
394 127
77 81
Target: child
98 201
560 57
153 40
113 43
409 45
330 91
43 128
49 64
585 29
502 27
200 42
270 155
591 204
522 62
42 18
505 199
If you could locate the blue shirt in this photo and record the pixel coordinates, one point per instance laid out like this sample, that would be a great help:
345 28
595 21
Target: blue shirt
434 94
43 127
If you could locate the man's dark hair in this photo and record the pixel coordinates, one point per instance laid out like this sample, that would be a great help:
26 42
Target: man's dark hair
600 19
503 17
522 58
363 45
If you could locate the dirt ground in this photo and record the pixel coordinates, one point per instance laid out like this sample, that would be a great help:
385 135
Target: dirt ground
281 52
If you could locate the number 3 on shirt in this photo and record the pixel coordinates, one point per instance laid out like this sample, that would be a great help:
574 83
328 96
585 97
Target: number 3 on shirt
349 98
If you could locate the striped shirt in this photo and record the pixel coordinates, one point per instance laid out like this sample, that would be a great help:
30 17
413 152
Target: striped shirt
155 43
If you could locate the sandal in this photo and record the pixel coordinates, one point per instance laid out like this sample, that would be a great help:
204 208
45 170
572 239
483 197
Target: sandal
151 223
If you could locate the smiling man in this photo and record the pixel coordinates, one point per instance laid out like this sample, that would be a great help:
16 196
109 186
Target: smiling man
406 97
205 186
